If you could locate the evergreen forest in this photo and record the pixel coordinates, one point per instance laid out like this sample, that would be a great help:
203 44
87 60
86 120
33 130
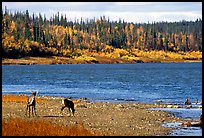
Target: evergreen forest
27 34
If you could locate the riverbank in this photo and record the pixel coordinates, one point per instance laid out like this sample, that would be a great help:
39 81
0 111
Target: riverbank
65 60
99 118
110 58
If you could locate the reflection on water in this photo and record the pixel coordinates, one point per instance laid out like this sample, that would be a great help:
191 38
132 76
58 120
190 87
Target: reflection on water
192 113
183 131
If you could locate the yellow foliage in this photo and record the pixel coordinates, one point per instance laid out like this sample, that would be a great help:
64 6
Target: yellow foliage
79 51
93 37
54 50
66 52
85 58
27 43
140 30
58 33
34 43
138 53
8 41
69 30
130 58
102 54
108 49
193 55
121 52
174 55
131 26
75 31
12 26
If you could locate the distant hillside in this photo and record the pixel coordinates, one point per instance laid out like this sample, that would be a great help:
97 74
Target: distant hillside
25 35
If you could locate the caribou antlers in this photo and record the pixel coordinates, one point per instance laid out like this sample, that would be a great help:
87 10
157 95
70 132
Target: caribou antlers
31 103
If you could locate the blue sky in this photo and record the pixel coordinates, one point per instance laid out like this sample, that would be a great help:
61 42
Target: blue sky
137 12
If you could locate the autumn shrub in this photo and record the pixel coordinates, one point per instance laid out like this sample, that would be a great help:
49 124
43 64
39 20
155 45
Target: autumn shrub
107 49
174 55
113 55
122 52
66 53
139 53
130 58
85 58
19 127
193 55
154 54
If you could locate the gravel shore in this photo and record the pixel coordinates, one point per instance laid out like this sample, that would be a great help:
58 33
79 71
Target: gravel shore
109 119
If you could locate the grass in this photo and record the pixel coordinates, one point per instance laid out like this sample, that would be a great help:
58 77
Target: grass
24 98
19 98
24 127
19 127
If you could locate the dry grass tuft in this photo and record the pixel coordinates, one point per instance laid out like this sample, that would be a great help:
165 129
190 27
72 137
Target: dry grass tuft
19 127
19 98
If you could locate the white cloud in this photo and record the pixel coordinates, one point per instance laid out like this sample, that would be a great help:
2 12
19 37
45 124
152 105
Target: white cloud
129 11
136 17
134 3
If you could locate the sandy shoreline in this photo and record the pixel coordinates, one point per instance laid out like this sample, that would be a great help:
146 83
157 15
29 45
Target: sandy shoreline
101 60
114 119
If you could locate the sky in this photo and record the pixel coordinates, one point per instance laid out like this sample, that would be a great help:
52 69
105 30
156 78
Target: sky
136 12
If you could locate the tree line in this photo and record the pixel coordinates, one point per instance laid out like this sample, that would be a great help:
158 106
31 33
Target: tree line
25 34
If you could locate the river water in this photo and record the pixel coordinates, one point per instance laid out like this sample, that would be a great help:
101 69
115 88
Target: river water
141 82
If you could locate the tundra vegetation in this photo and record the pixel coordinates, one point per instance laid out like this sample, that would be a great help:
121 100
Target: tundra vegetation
91 118
15 126
20 127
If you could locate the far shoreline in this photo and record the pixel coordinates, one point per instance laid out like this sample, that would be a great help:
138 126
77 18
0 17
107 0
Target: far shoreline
65 60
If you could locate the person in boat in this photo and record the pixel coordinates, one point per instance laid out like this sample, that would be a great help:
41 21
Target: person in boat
195 124
187 102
